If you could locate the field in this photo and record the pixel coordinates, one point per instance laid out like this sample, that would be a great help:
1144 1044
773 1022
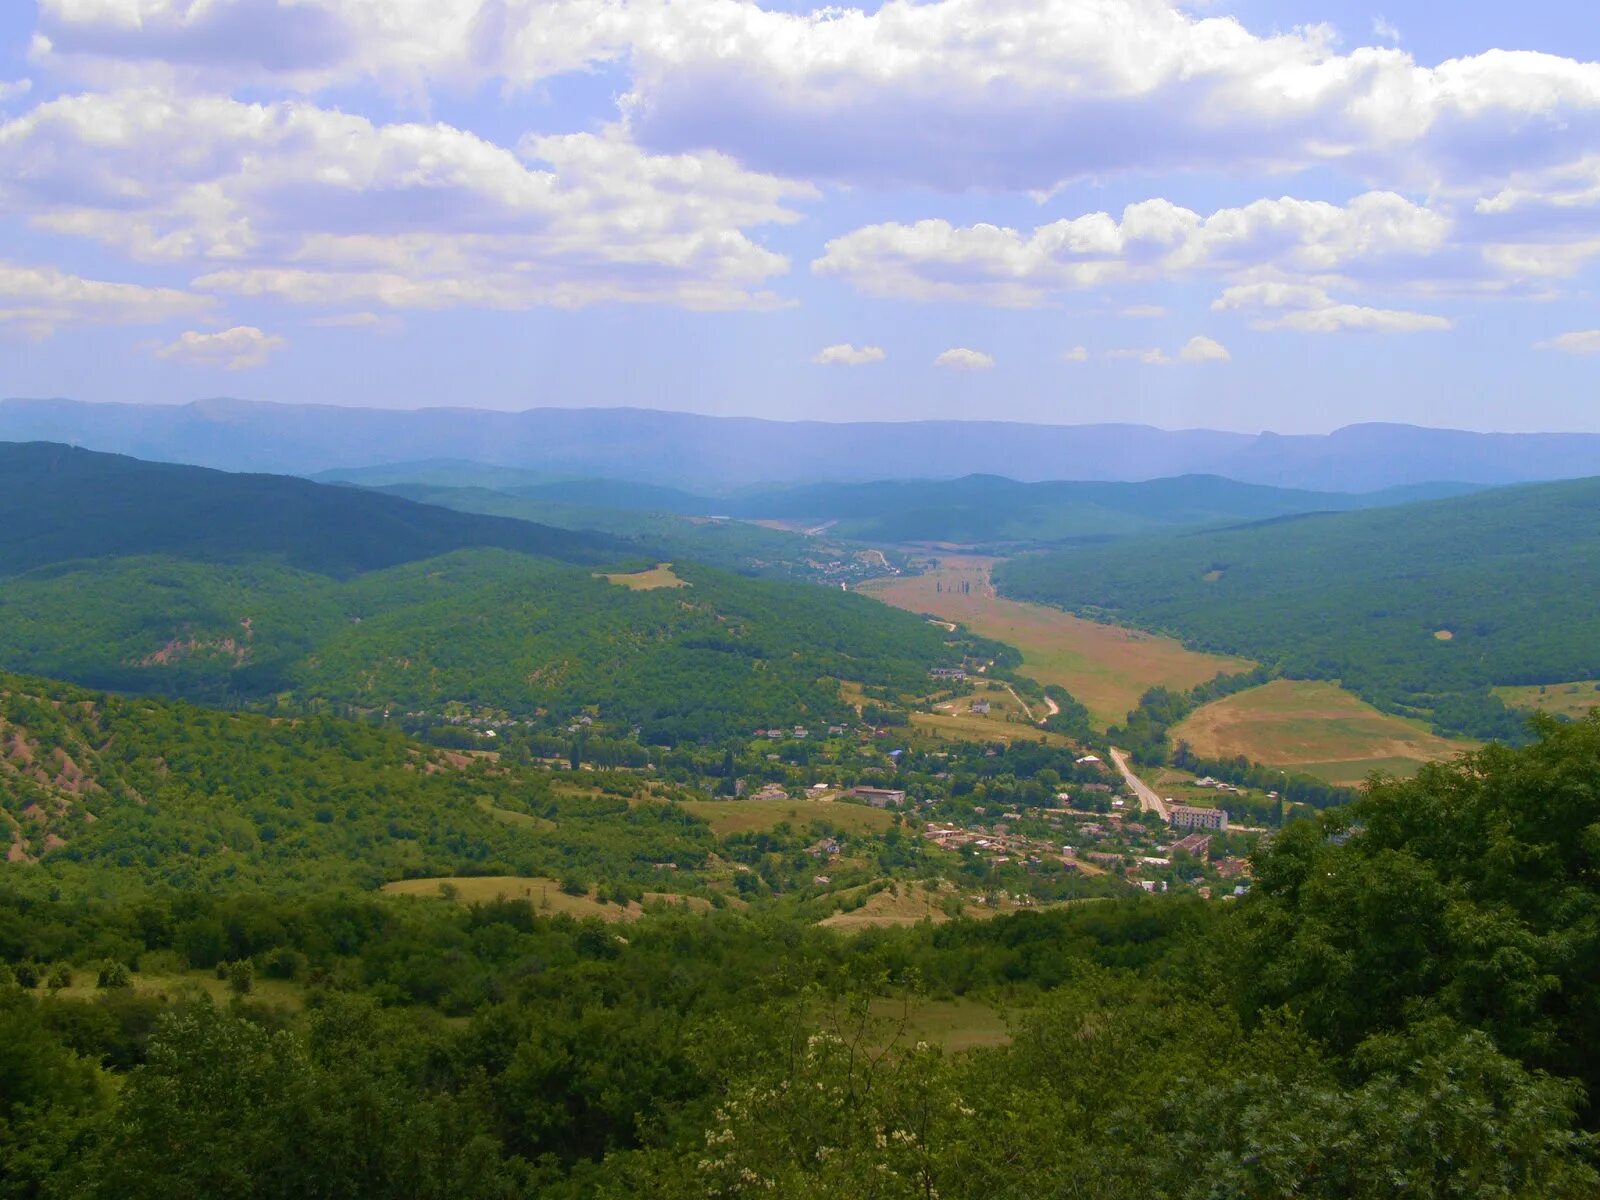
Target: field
952 1025
545 895
910 904
1315 727
1558 699
280 992
1007 720
658 576
750 816
1105 666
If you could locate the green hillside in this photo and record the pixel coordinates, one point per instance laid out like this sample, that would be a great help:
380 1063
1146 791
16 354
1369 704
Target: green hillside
114 793
1419 608
58 503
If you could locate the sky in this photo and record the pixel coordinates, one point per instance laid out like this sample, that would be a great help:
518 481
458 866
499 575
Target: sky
1260 214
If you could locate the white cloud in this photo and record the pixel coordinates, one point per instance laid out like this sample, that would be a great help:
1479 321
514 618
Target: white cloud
1315 310
40 300
1000 94
1583 341
1077 354
1201 349
846 355
1385 31
235 349
961 359
14 89
323 207
1197 350
1154 239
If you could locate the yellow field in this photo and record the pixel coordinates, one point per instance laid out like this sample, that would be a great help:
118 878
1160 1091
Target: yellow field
659 576
281 992
1315 727
750 816
1558 699
545 895
914 903
1105 666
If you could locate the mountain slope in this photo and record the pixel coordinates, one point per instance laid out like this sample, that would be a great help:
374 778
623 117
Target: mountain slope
59 504
1420 608
700 453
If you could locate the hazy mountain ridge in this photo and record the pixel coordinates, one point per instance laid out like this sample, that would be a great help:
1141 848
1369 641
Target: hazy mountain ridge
701 452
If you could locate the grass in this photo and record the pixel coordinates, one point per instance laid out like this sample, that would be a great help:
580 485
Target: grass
1106 667
911 903
752 816
510 817
1572 699
1316 727
952 1025
282 992
545 895
658 576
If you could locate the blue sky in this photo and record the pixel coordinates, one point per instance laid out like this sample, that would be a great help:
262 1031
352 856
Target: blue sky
1284 215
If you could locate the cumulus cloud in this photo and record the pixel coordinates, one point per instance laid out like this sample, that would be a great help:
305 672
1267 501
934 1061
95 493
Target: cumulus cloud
40 300
1385 31
1077 354
1582 341
846 355
1201 349
1314 310
959 358
1198 350
1003 94
235 349
323 207
1154 239
14 89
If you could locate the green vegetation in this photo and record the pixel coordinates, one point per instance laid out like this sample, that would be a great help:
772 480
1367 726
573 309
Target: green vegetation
1361 597
1389 1010
59 504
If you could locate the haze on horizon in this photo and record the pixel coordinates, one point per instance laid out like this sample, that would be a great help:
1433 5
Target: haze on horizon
1231 215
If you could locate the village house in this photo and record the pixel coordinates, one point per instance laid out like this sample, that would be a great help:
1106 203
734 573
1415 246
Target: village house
879 797
1197 844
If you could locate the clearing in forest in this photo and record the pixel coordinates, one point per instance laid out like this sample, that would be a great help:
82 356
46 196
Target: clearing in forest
1316 728
1573 699
544 894
658 576
952 1025
1107 667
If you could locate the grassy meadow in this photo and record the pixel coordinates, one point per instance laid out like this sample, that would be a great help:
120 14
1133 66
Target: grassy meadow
658 576
1572 700
1105 666
752 816
543 893
1317 728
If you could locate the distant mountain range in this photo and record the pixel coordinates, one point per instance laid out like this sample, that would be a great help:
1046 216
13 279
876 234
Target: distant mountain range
716 453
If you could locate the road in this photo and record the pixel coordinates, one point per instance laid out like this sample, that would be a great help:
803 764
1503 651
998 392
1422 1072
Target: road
1148 800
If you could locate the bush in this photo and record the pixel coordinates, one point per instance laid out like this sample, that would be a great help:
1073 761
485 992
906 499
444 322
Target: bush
60 977
27 974
241 977
114 975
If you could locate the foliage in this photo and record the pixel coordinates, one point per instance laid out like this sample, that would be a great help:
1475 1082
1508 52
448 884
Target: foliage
1419 608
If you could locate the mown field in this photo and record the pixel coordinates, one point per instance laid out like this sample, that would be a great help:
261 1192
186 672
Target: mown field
1315 727
659 576
1572 699
1007 720
1105 666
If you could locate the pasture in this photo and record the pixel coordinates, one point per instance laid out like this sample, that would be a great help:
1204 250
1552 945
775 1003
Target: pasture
658 576
1572 700
1106 667
544 894
1315 727
952 1025
752 816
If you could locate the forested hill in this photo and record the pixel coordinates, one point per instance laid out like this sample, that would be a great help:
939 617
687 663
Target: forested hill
1419 608
59 504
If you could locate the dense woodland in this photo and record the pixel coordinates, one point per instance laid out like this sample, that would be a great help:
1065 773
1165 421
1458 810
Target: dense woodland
1419 608
1389 1011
